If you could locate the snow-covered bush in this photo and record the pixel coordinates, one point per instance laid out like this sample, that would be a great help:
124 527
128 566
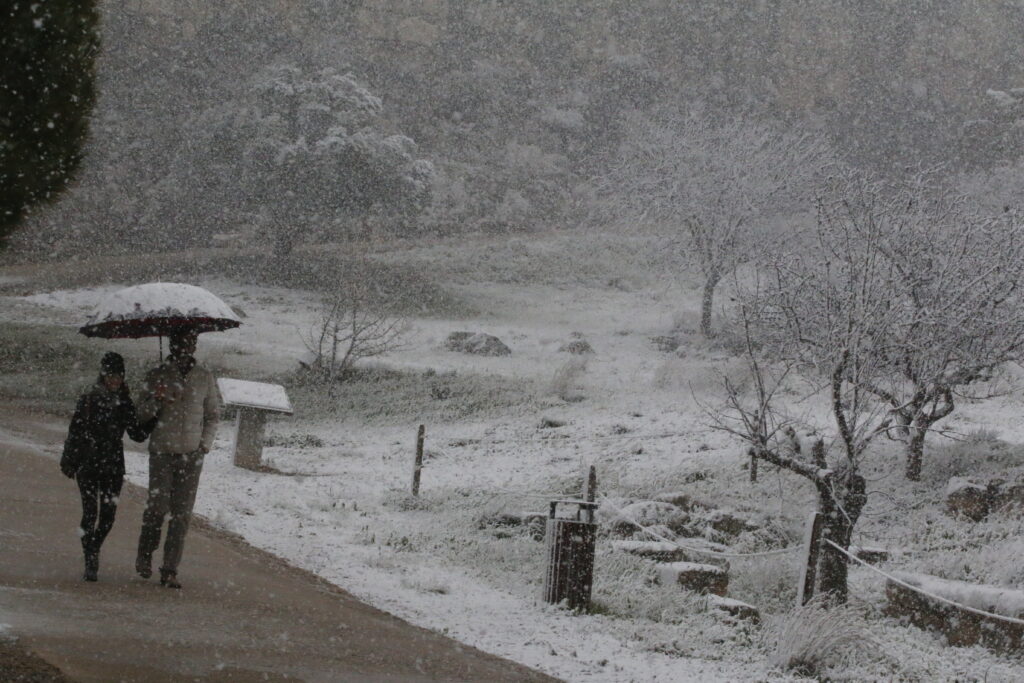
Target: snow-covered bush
626 586
768 583
566 380
811 637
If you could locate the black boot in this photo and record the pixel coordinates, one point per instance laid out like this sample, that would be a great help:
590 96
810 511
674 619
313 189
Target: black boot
169 578
92 559
144 566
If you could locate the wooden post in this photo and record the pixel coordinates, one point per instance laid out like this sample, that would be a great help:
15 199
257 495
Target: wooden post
809 569
590 490
419 461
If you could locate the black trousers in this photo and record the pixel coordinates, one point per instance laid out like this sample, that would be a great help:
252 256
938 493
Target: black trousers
99 506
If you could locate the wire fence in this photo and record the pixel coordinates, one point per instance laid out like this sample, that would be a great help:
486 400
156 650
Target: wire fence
918 589
619 514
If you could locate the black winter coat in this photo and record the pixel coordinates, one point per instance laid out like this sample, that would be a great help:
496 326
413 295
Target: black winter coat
94 448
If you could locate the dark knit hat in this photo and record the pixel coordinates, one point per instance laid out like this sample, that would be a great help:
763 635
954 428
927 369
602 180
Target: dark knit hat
112 364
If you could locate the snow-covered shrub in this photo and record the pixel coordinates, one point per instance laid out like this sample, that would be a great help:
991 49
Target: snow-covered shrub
405 501
625 586
811 637
987 554
293 440
768 583
771 535
565 382
979 453
514 209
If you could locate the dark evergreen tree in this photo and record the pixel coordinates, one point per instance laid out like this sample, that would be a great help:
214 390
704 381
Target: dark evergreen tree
47 64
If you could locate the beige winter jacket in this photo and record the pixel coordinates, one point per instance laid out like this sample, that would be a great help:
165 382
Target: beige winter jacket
190 412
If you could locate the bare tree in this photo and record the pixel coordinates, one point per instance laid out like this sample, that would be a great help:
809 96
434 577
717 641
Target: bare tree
832 463
900 299
349 329
719 186
949 291
823 311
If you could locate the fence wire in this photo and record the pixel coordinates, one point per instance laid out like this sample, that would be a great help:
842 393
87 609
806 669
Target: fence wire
917 589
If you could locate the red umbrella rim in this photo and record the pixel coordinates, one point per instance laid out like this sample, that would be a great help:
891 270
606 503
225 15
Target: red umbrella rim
156 326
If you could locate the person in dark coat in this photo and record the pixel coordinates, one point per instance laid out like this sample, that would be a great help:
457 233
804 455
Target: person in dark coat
94 454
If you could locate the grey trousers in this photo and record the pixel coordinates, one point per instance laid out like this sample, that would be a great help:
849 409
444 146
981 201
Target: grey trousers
173 480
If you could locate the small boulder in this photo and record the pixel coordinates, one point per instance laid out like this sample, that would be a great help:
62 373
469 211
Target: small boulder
645 513
702 578
533 523
499 519
729 522
1006 495
967 498
476 343
735 608
577 347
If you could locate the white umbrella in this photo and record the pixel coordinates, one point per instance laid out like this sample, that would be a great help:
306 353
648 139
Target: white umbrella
158 309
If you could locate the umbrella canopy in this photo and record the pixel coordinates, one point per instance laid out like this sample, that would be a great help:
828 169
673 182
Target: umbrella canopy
158 309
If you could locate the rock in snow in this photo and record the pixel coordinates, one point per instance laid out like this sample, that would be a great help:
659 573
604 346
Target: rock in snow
476 343
960 627
702 578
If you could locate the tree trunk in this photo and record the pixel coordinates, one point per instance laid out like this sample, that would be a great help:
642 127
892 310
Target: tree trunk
706 303
915 452
840 517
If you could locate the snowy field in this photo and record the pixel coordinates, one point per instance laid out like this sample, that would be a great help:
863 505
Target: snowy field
339 507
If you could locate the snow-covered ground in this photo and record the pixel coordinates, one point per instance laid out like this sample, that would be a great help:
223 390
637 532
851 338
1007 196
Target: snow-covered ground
339 509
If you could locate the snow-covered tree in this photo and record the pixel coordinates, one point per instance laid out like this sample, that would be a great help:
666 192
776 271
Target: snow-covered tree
948 305
311 151
903 300
717 185
822 311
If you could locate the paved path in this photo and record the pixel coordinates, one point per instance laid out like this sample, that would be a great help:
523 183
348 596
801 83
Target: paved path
242 616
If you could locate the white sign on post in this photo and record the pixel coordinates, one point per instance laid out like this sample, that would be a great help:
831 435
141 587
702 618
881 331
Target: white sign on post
253 400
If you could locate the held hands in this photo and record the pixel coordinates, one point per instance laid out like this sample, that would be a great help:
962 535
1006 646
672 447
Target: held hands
160 393
166 394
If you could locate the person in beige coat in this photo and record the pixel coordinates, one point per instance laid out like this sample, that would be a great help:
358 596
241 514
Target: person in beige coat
183 396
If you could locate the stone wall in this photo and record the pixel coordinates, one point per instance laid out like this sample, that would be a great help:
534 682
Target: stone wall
960 627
